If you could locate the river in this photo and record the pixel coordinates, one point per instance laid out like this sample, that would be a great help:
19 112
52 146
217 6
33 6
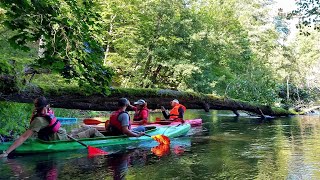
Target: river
224 147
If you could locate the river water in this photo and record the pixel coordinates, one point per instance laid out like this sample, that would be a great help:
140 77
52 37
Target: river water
224 147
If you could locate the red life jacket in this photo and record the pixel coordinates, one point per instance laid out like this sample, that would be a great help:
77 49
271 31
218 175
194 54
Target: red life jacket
53 127
115 125
174 113
137 115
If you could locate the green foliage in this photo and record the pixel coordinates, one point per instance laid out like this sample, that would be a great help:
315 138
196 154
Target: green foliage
54 84
70 30
12 63
15 117
72 113
150 46
253 87
229 48
297 95
134 91
296 66
308 13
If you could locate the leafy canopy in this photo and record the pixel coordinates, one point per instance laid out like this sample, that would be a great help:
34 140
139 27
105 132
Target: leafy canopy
71 32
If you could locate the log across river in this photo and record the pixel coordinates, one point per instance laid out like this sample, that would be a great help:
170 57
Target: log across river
73 98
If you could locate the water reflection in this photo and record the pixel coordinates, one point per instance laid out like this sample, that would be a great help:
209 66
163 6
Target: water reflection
119 165
179 150
18 171
66 165
161 150
225 147
47 170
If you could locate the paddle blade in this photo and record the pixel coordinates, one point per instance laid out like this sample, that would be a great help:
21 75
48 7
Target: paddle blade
91 121
161 150
92 151
162 139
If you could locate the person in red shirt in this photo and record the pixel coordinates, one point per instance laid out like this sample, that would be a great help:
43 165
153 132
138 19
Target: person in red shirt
141 114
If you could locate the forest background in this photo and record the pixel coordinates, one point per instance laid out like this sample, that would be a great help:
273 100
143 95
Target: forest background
236 49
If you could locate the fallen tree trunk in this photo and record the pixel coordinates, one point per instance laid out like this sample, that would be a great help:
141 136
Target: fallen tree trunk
308 110
74 98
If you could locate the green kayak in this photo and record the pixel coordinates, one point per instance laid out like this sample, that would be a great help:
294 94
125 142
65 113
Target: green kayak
39 146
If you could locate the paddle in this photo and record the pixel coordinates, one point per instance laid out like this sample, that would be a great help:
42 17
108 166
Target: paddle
92 151
90 121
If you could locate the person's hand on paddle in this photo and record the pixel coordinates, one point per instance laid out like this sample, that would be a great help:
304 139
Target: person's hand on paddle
162 108
140 134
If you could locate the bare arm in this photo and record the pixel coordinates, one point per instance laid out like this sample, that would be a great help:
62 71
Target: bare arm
164 113
133 107
126 131
18 142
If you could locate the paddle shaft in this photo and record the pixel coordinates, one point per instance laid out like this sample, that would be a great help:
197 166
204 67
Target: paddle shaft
92 151
83 144
143 135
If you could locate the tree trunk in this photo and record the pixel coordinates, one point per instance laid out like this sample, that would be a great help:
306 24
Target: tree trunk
108 45
288 96
41 50
299 100
71 99
155 74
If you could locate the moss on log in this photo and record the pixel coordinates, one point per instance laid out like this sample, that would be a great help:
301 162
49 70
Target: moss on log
76 98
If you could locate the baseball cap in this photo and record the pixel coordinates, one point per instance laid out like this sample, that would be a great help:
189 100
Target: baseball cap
40 102
175 100
123 102
140 102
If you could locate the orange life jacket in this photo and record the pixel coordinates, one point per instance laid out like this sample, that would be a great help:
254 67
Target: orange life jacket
174 113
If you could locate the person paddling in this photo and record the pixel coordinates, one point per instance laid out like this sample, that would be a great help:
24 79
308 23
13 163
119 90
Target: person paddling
176 113
141 114
45 125
119 123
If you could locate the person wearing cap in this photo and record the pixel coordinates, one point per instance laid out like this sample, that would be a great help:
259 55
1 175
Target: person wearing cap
176 113
119 123
141 111
45 125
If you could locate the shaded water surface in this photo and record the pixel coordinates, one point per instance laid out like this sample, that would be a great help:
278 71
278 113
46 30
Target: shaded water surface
225 147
